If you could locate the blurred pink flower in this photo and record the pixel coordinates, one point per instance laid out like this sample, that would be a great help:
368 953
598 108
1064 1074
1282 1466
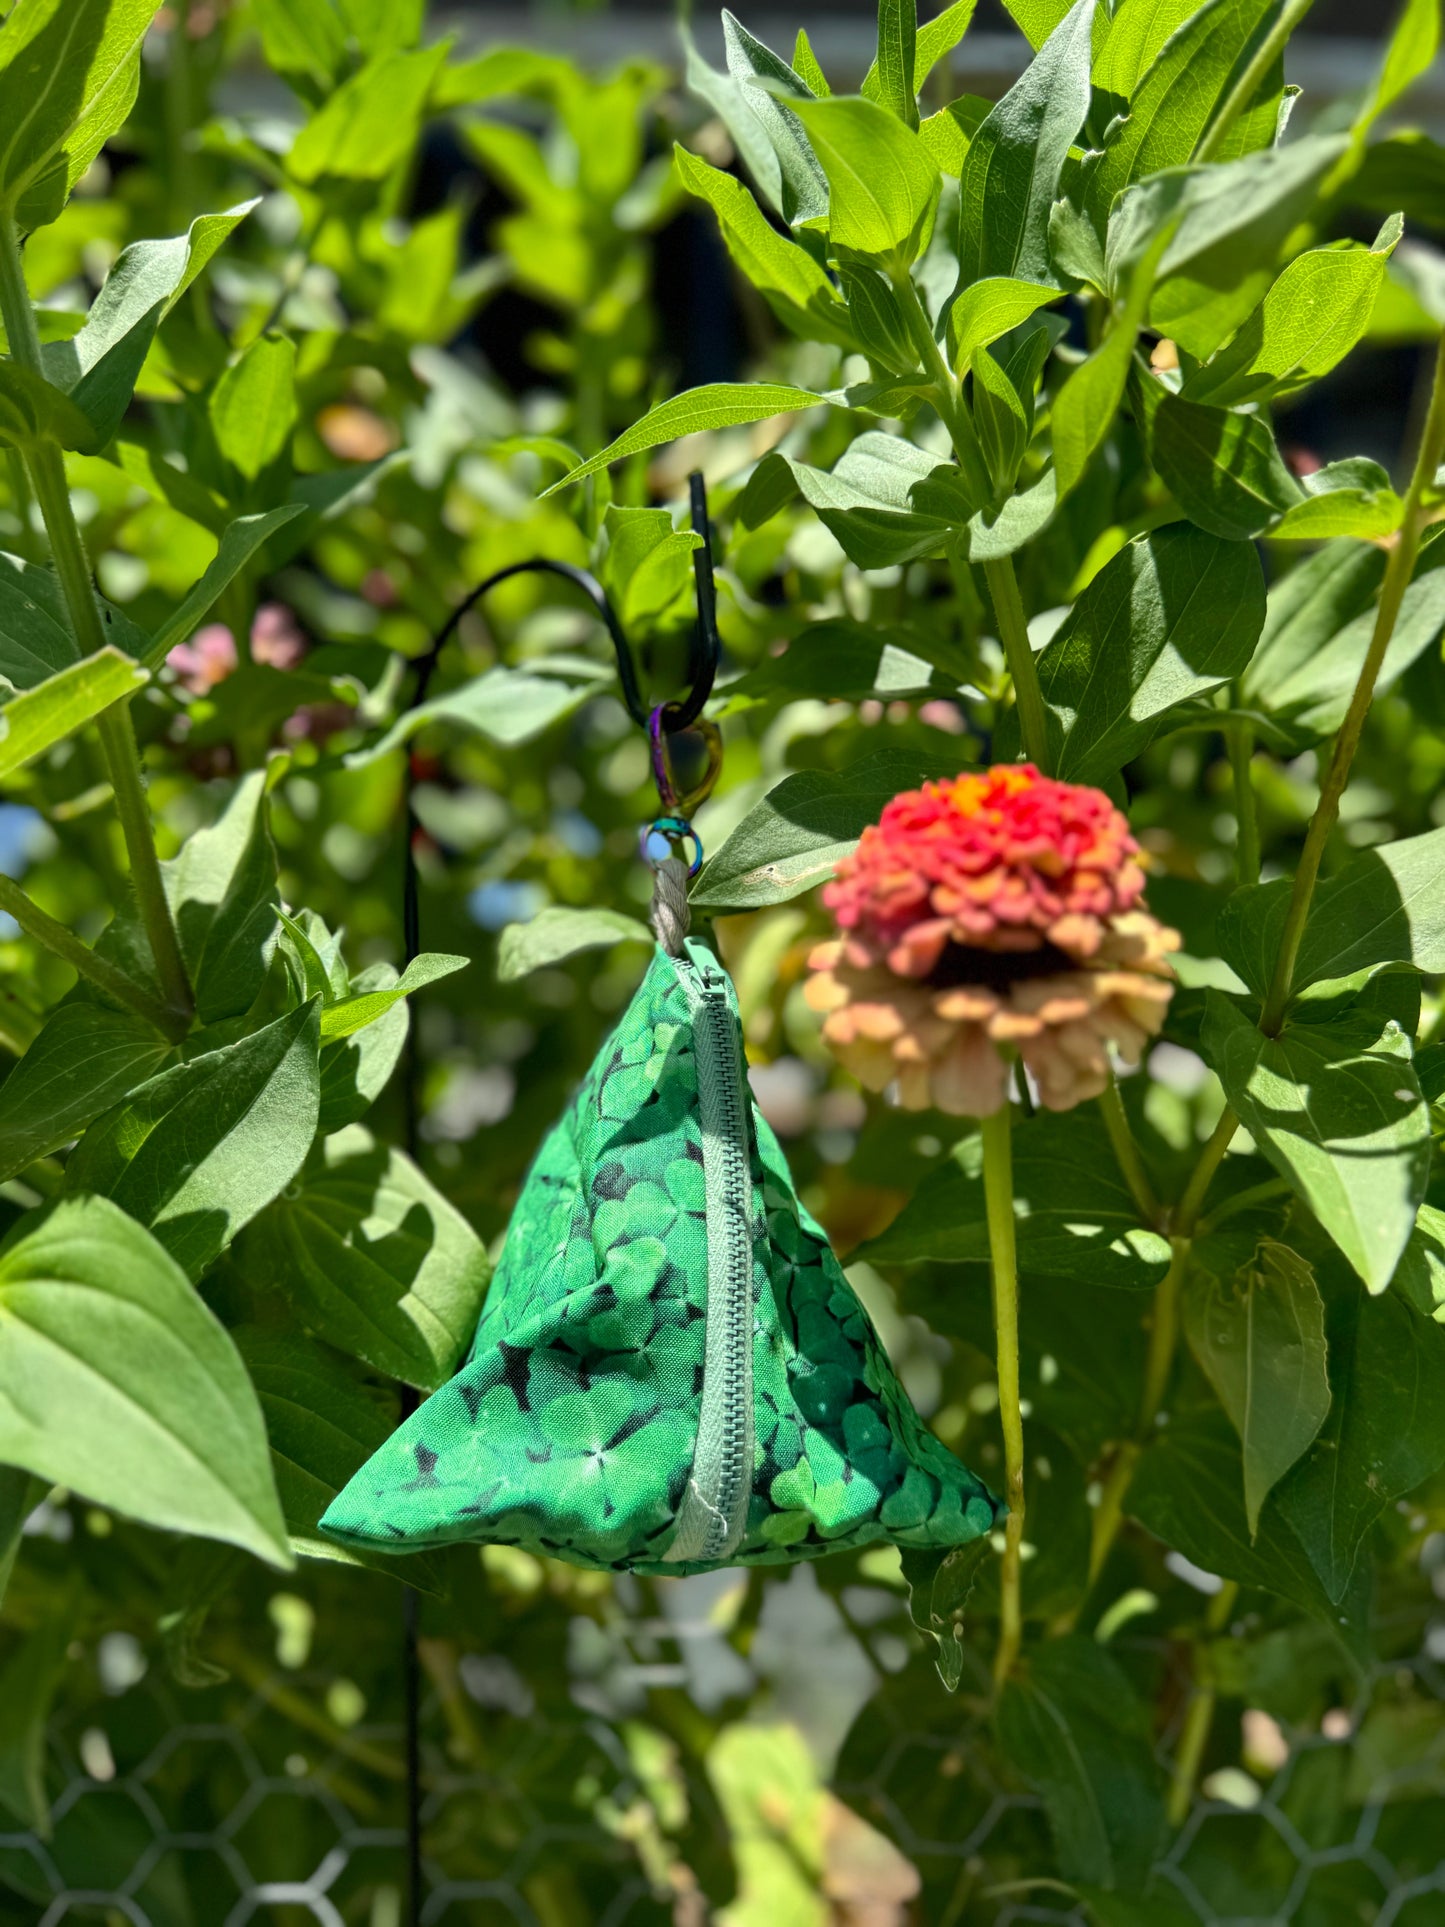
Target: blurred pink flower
207 659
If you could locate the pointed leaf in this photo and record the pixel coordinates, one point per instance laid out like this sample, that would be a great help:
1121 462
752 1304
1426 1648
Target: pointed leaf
1173 616
351 1014
253 406
1337 1110
223 894
882 180
199 1150
240 540
770 89
1384 1435
1223 469
556 933
721 404
117 1381
1010 176
372 1255
369 124
85 1059
1260 1338
54 709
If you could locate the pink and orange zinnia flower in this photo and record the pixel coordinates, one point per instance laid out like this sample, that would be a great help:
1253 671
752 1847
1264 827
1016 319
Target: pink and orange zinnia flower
995 914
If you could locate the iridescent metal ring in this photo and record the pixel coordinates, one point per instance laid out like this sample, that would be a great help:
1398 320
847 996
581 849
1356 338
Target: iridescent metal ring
669 831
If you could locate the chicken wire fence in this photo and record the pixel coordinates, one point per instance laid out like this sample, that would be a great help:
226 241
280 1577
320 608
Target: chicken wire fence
271 1788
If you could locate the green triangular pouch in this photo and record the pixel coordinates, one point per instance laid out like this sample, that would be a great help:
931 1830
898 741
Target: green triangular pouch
671 1372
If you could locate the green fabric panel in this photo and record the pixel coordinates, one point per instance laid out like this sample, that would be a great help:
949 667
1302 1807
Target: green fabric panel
570 1429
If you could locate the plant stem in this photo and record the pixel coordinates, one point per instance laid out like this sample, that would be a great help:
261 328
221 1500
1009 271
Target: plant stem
1199 1715
1392 592
1163 1337
1008 608
1186 1213
947 394
1126 1152
116 730
110 981
1246 809
999 1205
1244 89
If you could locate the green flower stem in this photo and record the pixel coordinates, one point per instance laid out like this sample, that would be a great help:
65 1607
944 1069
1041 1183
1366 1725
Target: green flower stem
1248 84
116 730
112 983
1018 653
1246 807
1163 1338
1126 1152
1398 571
947 394
999 1204
1199 1715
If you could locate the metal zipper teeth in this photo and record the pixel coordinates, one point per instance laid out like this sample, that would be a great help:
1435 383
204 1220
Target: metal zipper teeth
712 1518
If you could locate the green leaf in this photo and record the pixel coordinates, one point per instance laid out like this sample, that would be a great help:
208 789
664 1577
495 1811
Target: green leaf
1420 1279
1075 1216
1385 906
939 1585
54 709
253 406
33 410
1223 469
991 308
1002 422
791 841
947 133
720 404
240 540
223 894
36 639
886 501
992 534
304 40
508 706
767 91
1233 222
1411 52
1172 106
355 1069
99 366
939 36
1312 650
1310 319
1260 1338
1188 1490
117 1381
68 76
350 1014
877 321
1337 1110
557 933
1071 1725
28 1683
323 1424
1173 615
85 1059
1384 1435
842 661
786 275
891 80
19 1496
724 95
805 66
882 181
1352 498
1037 18
1137 36
647 566
1011 172
1307 609
369 124
373 1256
200 1149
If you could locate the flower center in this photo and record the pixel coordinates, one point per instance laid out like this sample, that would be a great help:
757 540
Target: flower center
967 963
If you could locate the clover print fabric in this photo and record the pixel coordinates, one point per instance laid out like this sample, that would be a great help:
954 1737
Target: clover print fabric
571 1428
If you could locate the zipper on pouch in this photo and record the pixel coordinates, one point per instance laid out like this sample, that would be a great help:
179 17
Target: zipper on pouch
713 1516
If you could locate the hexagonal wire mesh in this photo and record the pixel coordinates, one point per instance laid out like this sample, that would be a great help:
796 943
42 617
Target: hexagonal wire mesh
276 1798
